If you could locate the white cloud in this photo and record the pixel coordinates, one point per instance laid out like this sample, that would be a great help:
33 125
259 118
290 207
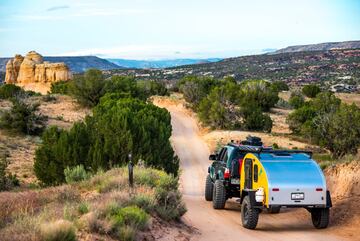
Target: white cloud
55 8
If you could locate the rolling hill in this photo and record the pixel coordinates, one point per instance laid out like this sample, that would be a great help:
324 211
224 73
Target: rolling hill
320 47
324 67
157 64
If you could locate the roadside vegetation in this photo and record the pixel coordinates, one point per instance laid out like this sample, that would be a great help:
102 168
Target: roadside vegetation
112 210
226 104
327 122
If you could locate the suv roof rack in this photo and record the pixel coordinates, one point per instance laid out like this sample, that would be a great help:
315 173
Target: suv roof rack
260 149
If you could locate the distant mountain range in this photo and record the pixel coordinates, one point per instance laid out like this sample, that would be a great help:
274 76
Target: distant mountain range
76 64
159 64
319 47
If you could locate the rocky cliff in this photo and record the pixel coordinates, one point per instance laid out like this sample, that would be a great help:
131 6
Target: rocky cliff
33 73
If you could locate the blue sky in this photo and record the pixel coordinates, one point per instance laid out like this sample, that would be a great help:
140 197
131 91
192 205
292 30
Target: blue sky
158 29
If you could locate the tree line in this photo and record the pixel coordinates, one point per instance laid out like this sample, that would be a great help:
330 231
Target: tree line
227 104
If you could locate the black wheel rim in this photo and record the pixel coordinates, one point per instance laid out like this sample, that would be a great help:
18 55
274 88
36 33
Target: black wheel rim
246 212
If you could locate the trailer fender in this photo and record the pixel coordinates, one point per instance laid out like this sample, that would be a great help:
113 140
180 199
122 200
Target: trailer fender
251 194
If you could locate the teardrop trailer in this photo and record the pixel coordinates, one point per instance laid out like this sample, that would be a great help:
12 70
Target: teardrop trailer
272 179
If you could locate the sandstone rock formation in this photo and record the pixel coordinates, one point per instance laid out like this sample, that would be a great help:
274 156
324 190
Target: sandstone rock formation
32 71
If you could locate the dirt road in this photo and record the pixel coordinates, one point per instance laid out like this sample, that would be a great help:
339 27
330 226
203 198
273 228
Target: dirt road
226 224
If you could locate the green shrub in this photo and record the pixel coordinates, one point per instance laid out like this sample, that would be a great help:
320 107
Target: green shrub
258 93
196 88
89 87
83 208
279 86
329 124
311 90
61 87
255 120
168 199
117 127
8 91
296 100
7 180
23 117
60 230
143 201
134 216
76 174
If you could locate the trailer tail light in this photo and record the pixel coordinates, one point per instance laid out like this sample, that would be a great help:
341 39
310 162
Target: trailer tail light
275 189
240 165
227 173
319 189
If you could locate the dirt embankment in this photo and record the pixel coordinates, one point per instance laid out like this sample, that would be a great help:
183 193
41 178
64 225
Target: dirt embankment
343 181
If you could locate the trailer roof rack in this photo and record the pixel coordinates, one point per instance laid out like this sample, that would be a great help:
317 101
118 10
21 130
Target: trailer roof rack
278 152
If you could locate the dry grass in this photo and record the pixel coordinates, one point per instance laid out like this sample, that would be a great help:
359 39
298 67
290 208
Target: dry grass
88 208
60 230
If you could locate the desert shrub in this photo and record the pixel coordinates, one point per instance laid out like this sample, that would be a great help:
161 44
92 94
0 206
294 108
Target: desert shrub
311 90
255 120
279 86
76 174
259 93
23 118
219 109
168 199
117 127
67 194
134 216
49 98
61 87
196 88
296 100
149 88
89 87
275 146
8 91
83 208
143 201
283 104
60 230
328 123
7 180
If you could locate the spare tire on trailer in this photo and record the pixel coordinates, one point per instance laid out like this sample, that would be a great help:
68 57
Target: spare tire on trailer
320 217
209 187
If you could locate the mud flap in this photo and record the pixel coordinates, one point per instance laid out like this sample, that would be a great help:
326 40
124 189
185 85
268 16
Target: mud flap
328 199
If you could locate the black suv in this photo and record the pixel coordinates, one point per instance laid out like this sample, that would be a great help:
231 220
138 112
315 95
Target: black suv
223 180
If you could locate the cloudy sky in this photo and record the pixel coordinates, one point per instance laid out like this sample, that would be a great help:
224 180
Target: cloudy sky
158 29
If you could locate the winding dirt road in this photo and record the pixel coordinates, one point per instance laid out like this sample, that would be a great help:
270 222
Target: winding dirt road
226 224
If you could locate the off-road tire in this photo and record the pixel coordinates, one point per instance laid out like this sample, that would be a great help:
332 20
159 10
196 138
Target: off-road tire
320 217
274 209
209 186
219 195
249 216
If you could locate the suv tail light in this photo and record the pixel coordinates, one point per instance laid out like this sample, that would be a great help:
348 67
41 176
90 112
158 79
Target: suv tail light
227 173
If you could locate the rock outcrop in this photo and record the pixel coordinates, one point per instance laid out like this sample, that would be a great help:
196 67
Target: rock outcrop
33 71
